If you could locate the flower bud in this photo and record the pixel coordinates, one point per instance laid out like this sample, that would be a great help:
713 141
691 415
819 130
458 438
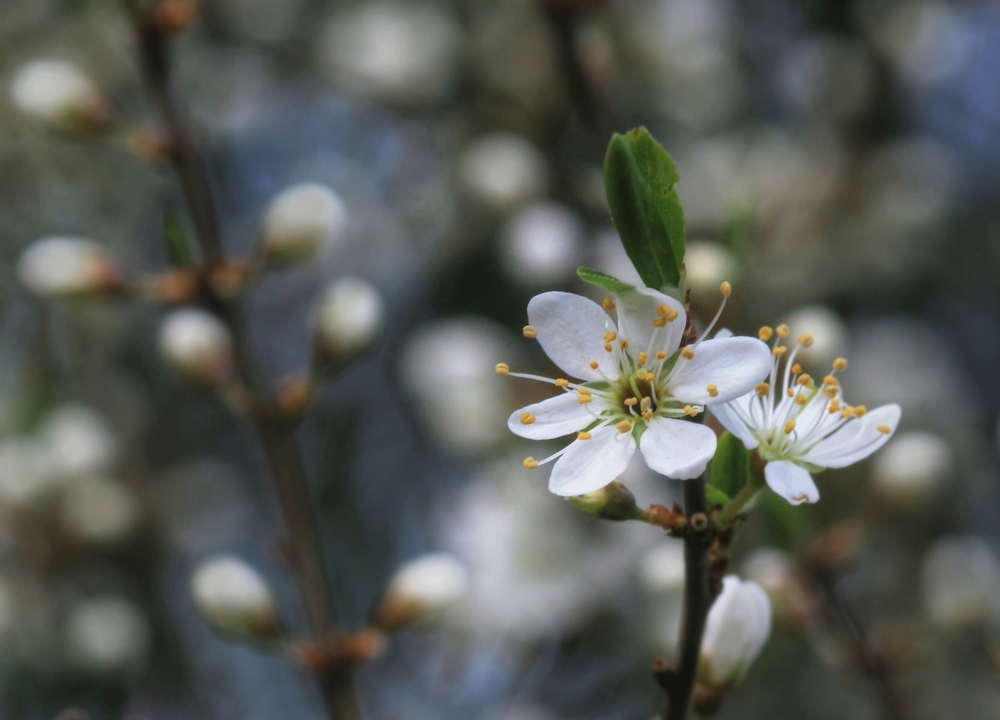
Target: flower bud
612 502
301 221
60 96
503 171
234 598
58 267
912 468
348 319
737 627
421 591
828 332
107 636
80 442
99 511
960 581
542 245
198 345
708 264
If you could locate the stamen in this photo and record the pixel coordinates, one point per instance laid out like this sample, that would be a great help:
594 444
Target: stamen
713 390
630 402
659 322
830 380
834 406
608 304
502 368
847 412
530 463
583 390
560 382
800 399
765 333
779 350
529 332
607 347
583 435
623 344
831 391
859 411
804 380
763 389
796 369
660 354
527 418
687 353
584 399
782 330
666 312
725 288
610 335
650 376
805 340
789 392
594 364
624 426
641 360
789 426
646 405
648 415
884 429
840 364
690 411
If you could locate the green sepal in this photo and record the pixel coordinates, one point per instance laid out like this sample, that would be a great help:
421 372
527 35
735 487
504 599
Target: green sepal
729 469
603 280
714 496
640 179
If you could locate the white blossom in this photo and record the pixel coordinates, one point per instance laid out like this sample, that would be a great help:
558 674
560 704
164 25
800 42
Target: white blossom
349 318
79 441
800 427
636 382
423 590
234 597
301 221
502 171
197 344
99 511
913 468
68 267
108 635
960 583
58 94
737 627
542 245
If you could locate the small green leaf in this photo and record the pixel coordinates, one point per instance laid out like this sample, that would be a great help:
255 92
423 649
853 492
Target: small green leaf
660 173
729 469
714 496
175 237
596 277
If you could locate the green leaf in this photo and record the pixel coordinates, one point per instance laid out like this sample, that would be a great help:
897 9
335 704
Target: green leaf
787 526
175 237
714 496
640 179
596 277
729 469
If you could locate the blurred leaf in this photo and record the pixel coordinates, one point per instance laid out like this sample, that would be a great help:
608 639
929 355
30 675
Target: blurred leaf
729 469
786 524
640 179
175 237
714 496
596 277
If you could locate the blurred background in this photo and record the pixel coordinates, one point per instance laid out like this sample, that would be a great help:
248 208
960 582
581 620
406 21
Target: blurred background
839 164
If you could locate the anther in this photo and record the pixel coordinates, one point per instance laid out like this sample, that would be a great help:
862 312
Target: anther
789 392
782 330
607 347
624 426
713 391
884 429
646 405
666 312
623 343
659 322
765 333
796 369
529 332
502 368
805 379
527 418
831 391
805 340
847 412
584 399
725 288
859 411
690 411
840 364
649 377
648 415
610 335
594 364
583 390
800 399
608 304
779 351
630 401
687 353
789 426
830 380
530 463
583 435
643 357
834 406
763 389
660 354
561 382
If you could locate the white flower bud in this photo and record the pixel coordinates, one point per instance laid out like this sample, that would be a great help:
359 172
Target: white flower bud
80 442
661 575
99 511
961 583
234 598
708 265
58 94
828 331
503 171
422 590
302 221
912 467
543 245
108 635
26 477
198 345
737 627
661 571
349 318
68 267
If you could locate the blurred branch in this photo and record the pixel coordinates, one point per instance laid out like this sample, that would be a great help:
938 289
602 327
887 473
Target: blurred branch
276 435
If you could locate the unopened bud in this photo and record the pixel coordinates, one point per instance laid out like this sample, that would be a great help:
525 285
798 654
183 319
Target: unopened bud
198 345
348 320
60 96
108 636
301 221
234 598
614 501
99 511
912 469
174 16
64 267
422 591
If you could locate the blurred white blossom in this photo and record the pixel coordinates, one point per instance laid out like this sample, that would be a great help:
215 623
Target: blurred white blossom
234 597
302 221
542 245
108 635
58 94
349 318
502 171
68 267
913 468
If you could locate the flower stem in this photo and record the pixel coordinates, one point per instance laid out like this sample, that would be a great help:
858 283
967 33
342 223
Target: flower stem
276 436
733 508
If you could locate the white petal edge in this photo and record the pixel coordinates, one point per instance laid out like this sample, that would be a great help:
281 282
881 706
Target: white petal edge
734 365
589 465
636 313
677 448
555 417
731 421
570 329
848 446
792 482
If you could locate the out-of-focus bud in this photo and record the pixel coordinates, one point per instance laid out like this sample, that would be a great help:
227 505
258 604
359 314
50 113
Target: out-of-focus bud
172 17
422 591
708 264
542 245
58 267
108 636
234 598
828 332
661 575
961 583
777 572
57 94
79 441
198 345
612 502
738 625
26 477
912 468
348 320
503 171
99 511
302 221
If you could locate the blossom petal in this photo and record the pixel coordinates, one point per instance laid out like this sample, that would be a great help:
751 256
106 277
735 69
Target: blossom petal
734 365
851 444
677 448
589 465
728 418
570 329
555 417
792 482
636 313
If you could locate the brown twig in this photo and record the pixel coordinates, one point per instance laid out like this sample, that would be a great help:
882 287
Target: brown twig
276 434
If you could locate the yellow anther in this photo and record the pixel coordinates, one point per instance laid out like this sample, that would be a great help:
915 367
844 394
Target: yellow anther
660 354
643 357
796 369
763 389
608 304
690 411
530 463
648 415
713 391
834 406
830 380
610 335
630 401
859 411
847 412
529 332
789 426
646 405
725 288
584 399
687 353
659 322
607 347
583 435
527 418
623 343
594 364
800 399
789 392
840 364
649 377
805 379
666 312
624 426
779 351
884 429
765 333
782 330
583 390
831 391
561 382
502 368
806 340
